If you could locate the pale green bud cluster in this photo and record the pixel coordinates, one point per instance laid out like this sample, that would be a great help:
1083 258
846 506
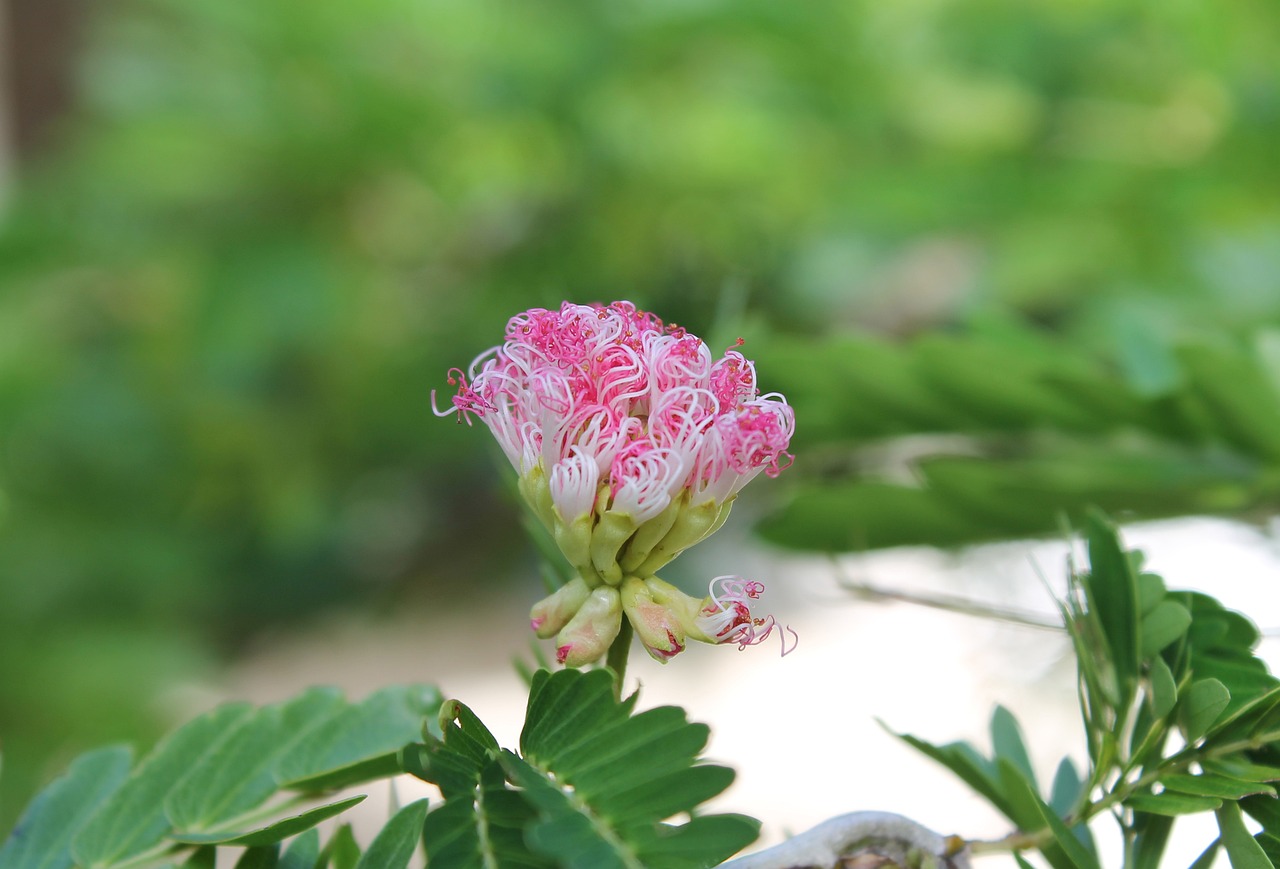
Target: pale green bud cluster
616 559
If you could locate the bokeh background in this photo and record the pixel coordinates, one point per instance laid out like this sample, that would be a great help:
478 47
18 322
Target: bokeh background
1006 258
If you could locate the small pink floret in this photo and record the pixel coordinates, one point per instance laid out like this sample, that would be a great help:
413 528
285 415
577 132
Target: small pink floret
562 653
727 616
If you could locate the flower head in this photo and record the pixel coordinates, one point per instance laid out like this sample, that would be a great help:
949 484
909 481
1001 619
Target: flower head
631 442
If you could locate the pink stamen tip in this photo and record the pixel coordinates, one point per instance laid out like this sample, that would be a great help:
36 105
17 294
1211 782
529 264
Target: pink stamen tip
562 653
534 624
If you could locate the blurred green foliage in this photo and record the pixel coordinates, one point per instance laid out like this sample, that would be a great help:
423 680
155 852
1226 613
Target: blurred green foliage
271 227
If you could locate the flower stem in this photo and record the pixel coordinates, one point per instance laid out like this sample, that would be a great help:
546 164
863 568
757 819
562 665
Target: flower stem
616 659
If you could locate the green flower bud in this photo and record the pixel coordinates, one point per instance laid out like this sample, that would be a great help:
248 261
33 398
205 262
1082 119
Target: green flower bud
590 632
655 625
553 612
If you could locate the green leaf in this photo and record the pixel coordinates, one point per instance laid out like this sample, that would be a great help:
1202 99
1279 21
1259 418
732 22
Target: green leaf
1202 703
274 832
1066 792
1006 740
261 857
603 780
1165 624
1065 850
1241 768
973 769
205 857
42 838
1164 689
303 852
238 775
481 823
394 846
1265 810
1207 857
1207 785
1243 850
1152 837
1067 787
568 832
483 829
1171 804
132 821
1111 588
1151 592
341 851
360 743
685 846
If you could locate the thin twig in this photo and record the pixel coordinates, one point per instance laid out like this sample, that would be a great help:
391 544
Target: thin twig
950 603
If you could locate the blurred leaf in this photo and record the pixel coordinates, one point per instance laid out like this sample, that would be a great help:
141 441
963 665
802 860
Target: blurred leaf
973 769
303 852
132 821
1162 626
202 858
1164 690
260 857
1111 587
1065 850
1006 740
1239 768
1244 851
1202 703
1067 787
1151 840
1207 857
341 851
44 832
1209 785
394 846
1171 804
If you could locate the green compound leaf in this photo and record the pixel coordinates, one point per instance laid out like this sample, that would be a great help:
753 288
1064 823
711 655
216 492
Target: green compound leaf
207 782
274 832
481 823
604 780
360 743
239 775
42 838
132 822
394 845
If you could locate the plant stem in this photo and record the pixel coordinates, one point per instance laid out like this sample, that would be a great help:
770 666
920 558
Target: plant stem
616 660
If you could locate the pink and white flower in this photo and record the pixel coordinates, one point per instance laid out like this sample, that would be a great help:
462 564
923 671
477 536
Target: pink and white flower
631 443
